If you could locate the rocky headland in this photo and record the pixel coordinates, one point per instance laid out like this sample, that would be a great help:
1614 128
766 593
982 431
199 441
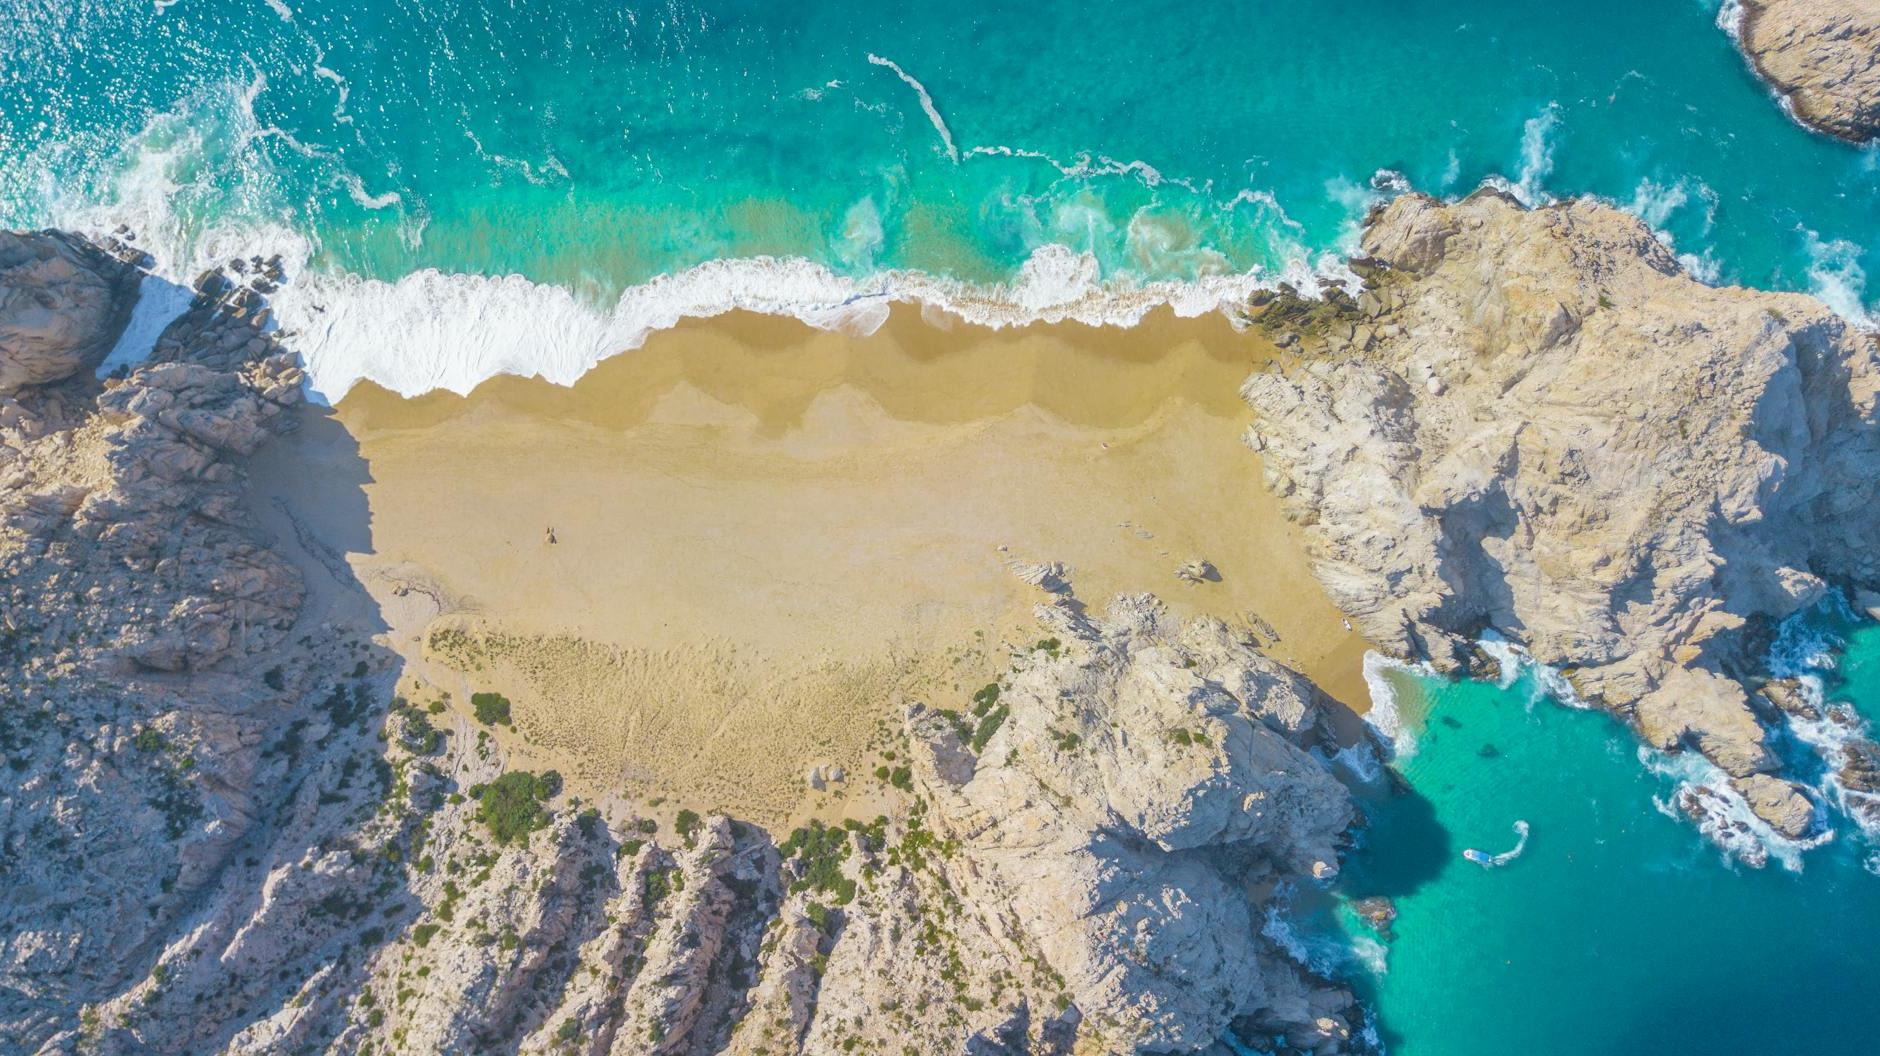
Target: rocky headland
236 823
1822 56
1534 422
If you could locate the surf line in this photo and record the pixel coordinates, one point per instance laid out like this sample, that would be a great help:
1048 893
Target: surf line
926 103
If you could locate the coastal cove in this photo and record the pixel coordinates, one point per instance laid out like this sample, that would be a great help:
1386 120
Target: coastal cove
544 528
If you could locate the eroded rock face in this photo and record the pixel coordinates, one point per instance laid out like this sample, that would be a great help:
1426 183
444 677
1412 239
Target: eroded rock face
63 302
1823 56
1534 421
1146 779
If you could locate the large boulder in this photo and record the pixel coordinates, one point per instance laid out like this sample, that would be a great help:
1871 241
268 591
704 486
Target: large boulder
63 303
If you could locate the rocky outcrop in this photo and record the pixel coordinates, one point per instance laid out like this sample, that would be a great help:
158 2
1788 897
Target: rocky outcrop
1823 56
1533 421
63 302
128 569
1146 780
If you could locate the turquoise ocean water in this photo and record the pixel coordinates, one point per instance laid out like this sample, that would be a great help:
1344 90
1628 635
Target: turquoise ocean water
1620 928
591 147
467 186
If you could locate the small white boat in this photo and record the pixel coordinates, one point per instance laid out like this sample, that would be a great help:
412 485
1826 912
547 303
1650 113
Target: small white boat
1490 861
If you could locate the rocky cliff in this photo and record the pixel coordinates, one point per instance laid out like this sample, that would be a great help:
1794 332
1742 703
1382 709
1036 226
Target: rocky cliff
224 831
1823 56
1534 422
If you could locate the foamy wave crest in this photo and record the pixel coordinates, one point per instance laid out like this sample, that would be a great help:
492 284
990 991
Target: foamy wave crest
926 104
1514 661
198 188
1805 649
432 330
1835 276
1537 160
1358 762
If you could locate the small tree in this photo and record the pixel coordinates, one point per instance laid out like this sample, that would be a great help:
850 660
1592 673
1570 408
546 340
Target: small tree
492 709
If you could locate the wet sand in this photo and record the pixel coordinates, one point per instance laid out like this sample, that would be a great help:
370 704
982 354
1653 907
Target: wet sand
764 536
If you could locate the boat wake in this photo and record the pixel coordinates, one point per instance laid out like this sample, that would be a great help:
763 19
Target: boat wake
1495 861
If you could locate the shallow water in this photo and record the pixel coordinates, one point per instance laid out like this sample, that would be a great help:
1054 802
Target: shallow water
595 146
1619 928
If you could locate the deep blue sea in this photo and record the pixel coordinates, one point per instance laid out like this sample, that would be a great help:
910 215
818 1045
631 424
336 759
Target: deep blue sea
463 187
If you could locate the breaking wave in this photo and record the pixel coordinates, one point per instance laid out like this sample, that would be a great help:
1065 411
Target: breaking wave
1382 678
196 189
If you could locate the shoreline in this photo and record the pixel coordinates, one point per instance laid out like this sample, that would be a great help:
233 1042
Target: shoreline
769 533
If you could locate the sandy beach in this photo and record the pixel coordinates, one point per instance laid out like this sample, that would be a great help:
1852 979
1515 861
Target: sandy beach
722 559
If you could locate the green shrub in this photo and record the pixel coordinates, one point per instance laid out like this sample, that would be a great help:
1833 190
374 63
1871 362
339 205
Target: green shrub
492 708
659 884
818 915
988 725
687 826
511 805
423 932
820 852
985 698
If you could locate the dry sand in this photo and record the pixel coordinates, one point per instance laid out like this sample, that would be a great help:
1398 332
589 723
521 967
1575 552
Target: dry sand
764 534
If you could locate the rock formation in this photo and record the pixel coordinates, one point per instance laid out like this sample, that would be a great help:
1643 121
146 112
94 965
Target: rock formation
63 302
1823 56
1147 778
225 834
1534 421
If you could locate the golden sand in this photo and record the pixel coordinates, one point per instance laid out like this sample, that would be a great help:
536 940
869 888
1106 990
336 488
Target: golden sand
763 534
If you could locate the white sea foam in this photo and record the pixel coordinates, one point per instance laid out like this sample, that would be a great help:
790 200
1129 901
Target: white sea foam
159 302
198 191
1721 813
1805 649
432 330
1514 661
1836 277
1537 160
1385 716
1359 761
926 104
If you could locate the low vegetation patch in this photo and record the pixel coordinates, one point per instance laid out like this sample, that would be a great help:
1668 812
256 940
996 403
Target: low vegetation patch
819 852
511 805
